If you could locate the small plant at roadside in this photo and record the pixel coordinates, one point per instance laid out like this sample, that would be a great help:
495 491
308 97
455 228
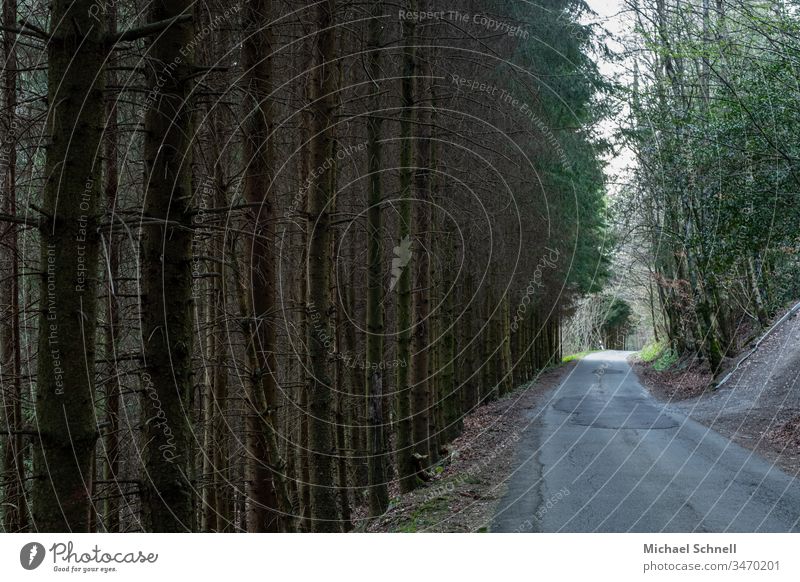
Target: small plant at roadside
651 351
665 360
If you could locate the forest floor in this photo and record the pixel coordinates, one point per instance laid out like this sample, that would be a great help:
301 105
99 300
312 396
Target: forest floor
759 405
462 496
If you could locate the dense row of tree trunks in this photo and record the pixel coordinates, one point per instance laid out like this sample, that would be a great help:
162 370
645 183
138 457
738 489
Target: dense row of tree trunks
273 227
302 317
506 374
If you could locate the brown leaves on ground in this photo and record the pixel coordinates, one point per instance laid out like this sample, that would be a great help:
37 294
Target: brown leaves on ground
470 481
787 434
686 379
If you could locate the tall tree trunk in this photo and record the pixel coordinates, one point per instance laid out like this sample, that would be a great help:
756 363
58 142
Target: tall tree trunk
324 508
412 430
216 515
376 439
433 437
755 291
489 358
423 203
450 391
209 510
506 373
342 481
357 402
13 474
264 514
167 275
70 246
466 346
111 509
301 319
304 458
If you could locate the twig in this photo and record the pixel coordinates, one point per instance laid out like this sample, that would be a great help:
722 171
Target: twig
792 311
24 220
146 30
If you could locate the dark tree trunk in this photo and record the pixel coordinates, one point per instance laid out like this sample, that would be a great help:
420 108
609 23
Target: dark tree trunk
70 243
420 367
376 439
167 276
265 512
324 508
13 474
411 404
111 509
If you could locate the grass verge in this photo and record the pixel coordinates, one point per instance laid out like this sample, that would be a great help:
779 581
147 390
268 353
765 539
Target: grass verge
578 356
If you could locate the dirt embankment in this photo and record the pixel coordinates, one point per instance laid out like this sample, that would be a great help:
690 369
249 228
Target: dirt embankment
463 495
759 405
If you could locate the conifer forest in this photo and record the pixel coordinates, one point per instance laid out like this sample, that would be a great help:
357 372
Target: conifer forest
273 266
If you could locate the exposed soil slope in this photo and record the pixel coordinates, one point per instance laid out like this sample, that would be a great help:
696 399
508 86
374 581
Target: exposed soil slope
758 407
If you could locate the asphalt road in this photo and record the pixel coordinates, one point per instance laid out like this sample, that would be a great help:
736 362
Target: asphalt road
603 455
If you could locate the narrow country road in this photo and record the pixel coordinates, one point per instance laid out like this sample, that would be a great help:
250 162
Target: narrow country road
602 455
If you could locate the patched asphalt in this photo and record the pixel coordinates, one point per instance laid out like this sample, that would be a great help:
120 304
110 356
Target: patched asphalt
602 455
